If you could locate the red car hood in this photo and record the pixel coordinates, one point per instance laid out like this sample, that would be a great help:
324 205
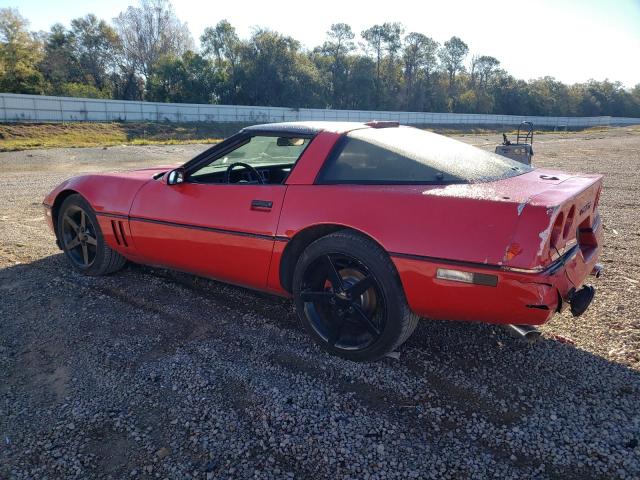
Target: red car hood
108 192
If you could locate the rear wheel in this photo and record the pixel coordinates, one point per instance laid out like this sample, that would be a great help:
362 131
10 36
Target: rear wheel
82 241
349 298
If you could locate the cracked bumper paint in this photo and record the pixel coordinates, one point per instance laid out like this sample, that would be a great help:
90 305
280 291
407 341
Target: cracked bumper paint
520 298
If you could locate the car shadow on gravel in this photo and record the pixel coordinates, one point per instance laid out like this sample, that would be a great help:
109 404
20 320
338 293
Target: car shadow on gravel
455 385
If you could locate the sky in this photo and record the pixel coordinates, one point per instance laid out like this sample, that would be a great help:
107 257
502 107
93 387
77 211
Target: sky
571 40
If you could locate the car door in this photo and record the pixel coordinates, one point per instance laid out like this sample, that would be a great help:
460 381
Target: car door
220 230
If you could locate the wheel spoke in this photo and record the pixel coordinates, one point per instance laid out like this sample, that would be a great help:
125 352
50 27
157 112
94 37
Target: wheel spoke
85 254
343 302
91 240
334 276
83 219
73 243
71 222
335 331
357 289
308 296
361 317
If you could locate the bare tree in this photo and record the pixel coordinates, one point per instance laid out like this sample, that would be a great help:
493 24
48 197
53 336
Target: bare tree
149 32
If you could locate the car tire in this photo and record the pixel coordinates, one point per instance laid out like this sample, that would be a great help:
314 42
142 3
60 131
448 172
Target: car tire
349 297
80 237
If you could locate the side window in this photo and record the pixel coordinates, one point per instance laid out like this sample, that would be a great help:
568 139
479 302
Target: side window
272 157
357 161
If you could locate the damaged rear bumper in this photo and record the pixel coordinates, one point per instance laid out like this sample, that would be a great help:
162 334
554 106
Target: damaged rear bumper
516 297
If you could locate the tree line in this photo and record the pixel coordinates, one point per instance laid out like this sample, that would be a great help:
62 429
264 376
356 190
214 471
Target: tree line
148 53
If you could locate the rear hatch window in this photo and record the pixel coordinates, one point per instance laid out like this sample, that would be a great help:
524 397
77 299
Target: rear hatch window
408 155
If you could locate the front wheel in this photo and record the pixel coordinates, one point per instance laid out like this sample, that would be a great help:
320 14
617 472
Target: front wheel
349 298
82 241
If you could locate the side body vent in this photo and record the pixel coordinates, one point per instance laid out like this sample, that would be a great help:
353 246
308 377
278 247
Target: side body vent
118 232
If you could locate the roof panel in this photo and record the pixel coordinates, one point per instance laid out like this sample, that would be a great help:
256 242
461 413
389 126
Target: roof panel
306 128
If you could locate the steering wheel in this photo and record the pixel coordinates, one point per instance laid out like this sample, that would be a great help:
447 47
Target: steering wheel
227 174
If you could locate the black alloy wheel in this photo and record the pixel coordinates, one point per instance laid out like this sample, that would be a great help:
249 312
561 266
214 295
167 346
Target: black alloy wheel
349 297
343 301
79 237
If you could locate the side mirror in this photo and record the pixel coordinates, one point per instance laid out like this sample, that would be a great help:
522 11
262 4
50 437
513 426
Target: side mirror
175 176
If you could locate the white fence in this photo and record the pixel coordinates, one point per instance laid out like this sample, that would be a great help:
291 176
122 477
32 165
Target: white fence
37 108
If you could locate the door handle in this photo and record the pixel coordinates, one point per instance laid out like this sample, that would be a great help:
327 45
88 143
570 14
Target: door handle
261 204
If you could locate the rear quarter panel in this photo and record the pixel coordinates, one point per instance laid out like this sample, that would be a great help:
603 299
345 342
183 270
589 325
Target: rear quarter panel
405 219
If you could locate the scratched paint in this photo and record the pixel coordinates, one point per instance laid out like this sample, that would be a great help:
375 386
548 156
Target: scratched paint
544 235
521 207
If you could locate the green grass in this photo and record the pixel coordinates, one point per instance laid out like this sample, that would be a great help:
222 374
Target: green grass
24 136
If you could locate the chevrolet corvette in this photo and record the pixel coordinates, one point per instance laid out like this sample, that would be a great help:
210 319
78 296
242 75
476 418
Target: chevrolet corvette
367 226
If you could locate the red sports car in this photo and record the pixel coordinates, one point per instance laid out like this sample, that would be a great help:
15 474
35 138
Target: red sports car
367 226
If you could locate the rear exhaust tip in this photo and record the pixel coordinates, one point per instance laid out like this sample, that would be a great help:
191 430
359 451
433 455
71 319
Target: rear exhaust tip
528 333
581 300
597 270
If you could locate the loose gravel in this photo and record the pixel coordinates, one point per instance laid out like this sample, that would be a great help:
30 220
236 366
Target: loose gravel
156 374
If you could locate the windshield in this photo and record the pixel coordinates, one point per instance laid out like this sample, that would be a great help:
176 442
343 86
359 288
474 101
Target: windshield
258 151
410 155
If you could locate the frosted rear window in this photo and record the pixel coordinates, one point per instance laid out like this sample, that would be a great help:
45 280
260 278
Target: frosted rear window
410 155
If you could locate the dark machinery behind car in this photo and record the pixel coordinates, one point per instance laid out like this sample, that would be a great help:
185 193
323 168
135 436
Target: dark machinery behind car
522 150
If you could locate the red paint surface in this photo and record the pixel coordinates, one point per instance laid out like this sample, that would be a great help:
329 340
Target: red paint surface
446 300
506 303
314 156
235 258
492 225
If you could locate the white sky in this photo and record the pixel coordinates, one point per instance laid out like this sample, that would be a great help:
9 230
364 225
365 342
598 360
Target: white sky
571 40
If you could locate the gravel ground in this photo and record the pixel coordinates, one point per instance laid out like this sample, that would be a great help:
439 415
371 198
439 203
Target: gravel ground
155 374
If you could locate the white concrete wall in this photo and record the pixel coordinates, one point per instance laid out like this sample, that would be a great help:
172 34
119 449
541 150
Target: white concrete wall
37 108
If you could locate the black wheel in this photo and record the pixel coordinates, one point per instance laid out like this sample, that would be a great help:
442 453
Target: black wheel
82 241
349 298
